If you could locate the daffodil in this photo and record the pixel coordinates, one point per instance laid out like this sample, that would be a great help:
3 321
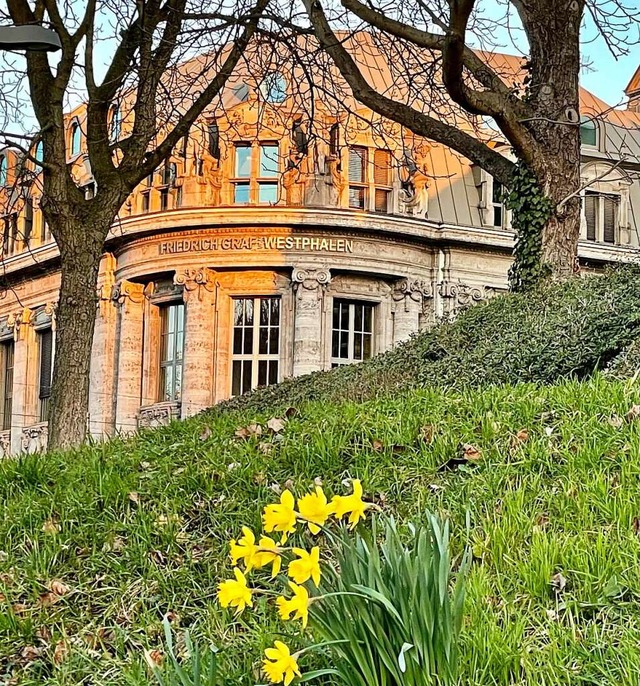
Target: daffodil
298 605
314 509
353 505
280 665
235 592
306 567
245 549
268 552
281 517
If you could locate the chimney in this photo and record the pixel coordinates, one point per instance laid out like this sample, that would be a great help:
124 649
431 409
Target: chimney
632 91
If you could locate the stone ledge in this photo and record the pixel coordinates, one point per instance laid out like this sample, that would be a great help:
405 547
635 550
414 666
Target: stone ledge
158 414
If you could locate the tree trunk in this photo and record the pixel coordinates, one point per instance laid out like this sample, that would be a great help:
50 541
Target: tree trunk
75 320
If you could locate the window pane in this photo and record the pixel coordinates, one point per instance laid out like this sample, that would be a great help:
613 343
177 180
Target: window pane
262 373
368 318
273 372
243 161
246 376
236 378
382 168
237 341
269 163
248 312
241 194
274 340
357 164
264 311
588 132
357 197
382 200
238 312
268 193
168 382
366 349
263 347
177 393
497 215
611 204
591 212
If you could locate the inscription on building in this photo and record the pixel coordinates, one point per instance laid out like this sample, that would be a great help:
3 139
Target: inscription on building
257 243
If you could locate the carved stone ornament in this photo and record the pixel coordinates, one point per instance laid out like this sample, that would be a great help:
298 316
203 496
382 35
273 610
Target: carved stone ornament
414 289
5 443
195 280
16 322
127 292
310 279
463 294
159 414
34 438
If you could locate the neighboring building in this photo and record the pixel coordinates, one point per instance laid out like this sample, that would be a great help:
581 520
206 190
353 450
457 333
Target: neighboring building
254 254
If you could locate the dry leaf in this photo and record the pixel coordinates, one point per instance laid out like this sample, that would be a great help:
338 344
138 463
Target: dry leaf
633 413
259 478
44 634
19 608
289 485
145 465
30 653
48 599
134 497
265 448
246 432
206 434
60 652
377 445
276 425
291 412
470 452
523 435
426 433
558 582
51 526
276 488
157 557
58 587
154 658
615 421
636 525
317 481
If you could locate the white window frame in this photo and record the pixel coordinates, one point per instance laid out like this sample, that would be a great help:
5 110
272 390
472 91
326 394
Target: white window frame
340 361
255 357
611 181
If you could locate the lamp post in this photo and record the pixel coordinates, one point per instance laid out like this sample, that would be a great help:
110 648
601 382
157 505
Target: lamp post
29 37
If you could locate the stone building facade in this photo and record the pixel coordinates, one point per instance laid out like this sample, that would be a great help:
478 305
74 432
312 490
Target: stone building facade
253 255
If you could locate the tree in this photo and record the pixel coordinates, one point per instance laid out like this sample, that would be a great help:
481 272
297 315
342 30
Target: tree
538 115
145 103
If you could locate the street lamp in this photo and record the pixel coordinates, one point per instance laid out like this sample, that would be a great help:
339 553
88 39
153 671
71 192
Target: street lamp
29 37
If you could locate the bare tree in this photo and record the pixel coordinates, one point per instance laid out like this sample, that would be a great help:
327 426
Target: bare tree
152 90
534 102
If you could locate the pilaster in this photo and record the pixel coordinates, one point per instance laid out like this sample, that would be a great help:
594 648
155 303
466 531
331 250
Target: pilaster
309 286
413 300
199 293
129 299
25 362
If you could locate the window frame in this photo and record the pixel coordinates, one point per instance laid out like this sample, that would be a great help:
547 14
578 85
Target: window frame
242 181
351 331
7 353
255 357
588 123
386 188
44 391
362 186
75 138
164 362
268 181
599 226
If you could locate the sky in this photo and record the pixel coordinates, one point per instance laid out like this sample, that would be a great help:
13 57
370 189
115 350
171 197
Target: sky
607 78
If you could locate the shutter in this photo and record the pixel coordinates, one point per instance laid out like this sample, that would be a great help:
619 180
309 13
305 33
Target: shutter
382 167
382 200
46 351
357 162
591 213
611 205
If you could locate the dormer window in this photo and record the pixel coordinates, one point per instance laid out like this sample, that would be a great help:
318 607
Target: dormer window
588 132
4 167
76 138
274 87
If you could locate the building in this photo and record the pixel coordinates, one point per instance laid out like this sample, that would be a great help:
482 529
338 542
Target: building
254 254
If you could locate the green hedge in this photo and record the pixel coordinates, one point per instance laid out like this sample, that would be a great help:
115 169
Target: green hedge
558 331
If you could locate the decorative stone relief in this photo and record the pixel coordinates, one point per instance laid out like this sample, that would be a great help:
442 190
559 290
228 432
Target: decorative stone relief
34 438
5 443
463 295
195 280
211 179
293 182
310 279
417 290
126 293
17 321
415 193
159 414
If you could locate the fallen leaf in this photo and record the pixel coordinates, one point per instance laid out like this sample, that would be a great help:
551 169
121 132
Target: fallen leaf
633 413
615 421
145 465
154 658
426 433
291 412
51 526
288 484
233 465
19 608
523 435
470 452
276 488
157 557
206 434
558 582
30 653
58 587
44 634
636 525
48 599
259 478
60 652
377 445
134 497
246 432
265 448
276 425
317 481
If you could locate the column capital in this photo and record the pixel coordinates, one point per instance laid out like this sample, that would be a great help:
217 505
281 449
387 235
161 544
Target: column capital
412 288
18 320
126 293
196 280
309 279
463 294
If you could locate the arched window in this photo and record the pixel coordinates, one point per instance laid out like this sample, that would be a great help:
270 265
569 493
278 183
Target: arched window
274 87
39 154
75 138
3 170
588 132
115 124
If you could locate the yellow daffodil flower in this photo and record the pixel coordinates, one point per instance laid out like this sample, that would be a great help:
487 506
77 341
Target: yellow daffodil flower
353 505
244 549
306 567
314 509
281 517
298 605
280 666
235 592
268 552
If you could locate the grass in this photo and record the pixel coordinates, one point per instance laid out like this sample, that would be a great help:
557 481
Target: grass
136 529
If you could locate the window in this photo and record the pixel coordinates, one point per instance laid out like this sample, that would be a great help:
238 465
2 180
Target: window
588 132
28 220
169 173
358 178
13 222
497 203
145 201
89 190
115 124
171 351
382 180
243 174
6 378
334 140
269 168
6 235
164 199
3 170
45 345
39 154
601 211
75 139
352 332
274 87
256 343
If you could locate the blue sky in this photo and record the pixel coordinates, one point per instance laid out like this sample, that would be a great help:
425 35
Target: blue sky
608 77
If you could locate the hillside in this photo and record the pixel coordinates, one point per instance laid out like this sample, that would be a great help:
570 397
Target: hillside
98 544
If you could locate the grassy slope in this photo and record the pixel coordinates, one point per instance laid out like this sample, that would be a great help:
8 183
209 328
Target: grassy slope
563 501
